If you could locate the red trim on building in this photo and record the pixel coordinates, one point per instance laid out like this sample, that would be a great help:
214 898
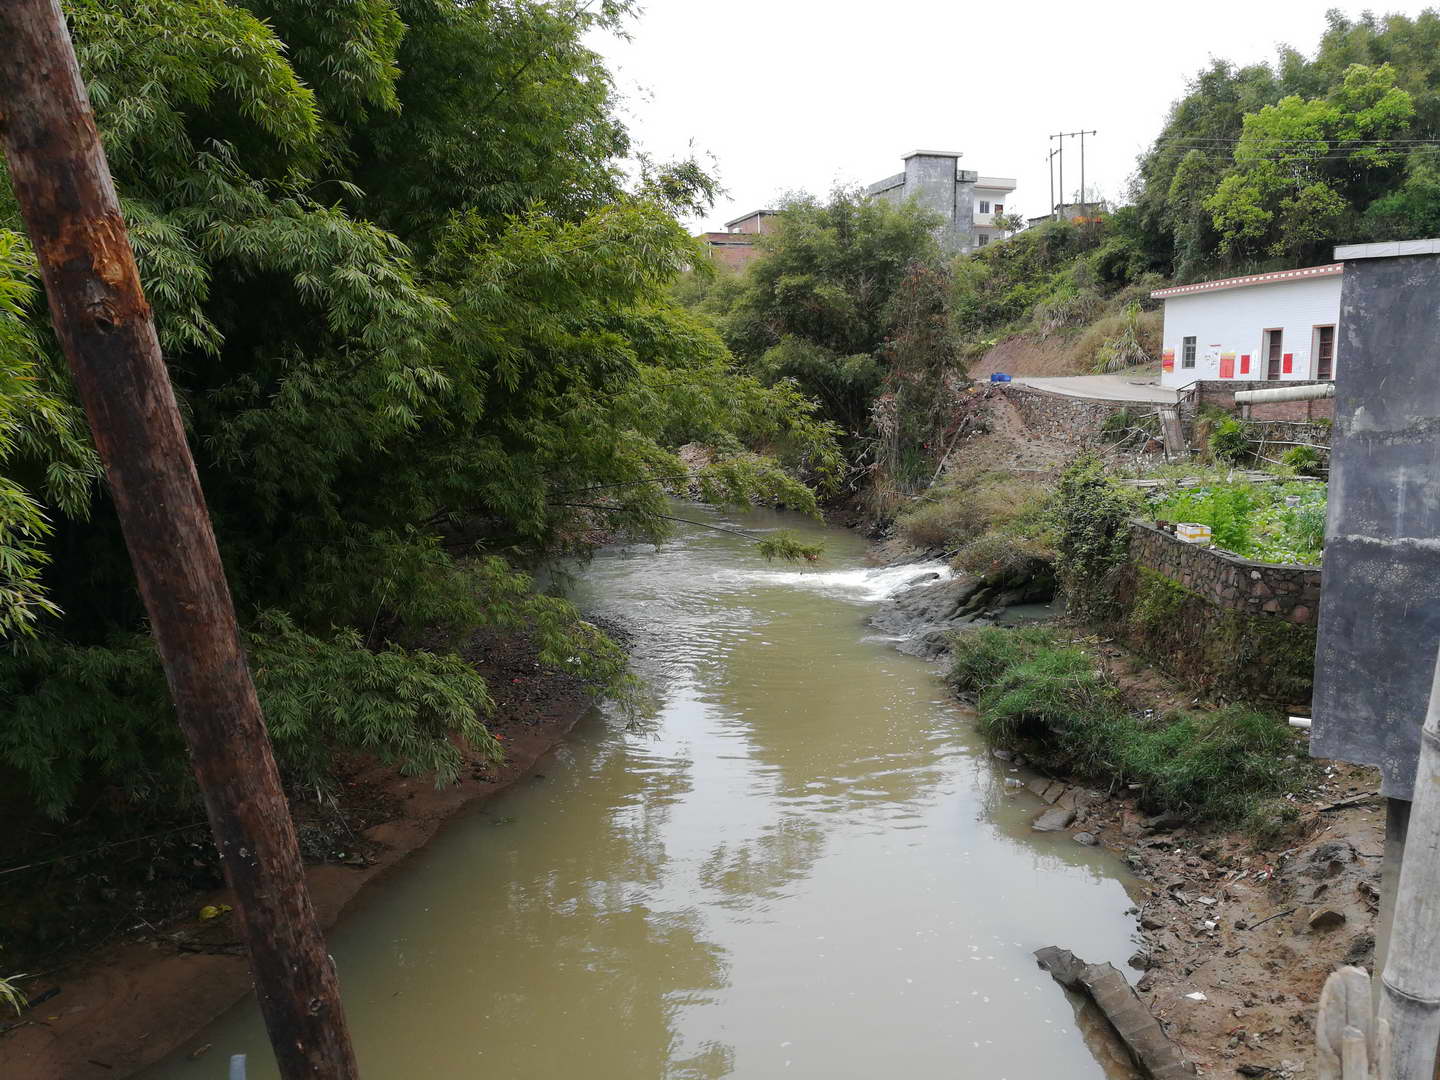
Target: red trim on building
1304 272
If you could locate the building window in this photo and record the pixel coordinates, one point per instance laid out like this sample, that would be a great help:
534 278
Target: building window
1187 353
984 206
982 240
999 208
1324 352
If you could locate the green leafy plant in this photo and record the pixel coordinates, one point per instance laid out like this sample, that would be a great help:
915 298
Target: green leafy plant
11 994
1092 514
1303 459
1228 441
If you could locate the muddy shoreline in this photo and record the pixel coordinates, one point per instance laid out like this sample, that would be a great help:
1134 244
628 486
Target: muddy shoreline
1235 938
112 1012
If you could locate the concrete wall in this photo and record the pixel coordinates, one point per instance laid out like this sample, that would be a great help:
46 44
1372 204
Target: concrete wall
1380 619
935 183
1235 320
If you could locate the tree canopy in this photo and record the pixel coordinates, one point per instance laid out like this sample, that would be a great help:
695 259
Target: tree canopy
413 313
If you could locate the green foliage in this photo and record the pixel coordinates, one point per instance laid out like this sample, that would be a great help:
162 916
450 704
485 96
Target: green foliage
1225 508
1134 342
819 306
41 446
1253 520
1092 515
1158 602
421 333
1035 690
1282 161
81 715
1228 441
992 523
1303 459
11 994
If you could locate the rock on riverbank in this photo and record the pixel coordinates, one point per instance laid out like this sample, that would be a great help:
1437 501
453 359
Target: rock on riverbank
923 613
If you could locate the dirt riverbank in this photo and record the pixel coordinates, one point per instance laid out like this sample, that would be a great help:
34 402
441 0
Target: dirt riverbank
111 1012
1235 937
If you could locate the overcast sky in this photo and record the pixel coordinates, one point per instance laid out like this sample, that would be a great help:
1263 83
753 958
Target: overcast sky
802 94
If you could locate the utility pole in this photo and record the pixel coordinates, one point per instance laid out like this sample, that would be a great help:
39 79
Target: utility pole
1051 162
1062 136
104 324
1055 207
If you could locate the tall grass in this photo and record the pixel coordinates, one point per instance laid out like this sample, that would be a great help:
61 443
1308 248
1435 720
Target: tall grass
1227 766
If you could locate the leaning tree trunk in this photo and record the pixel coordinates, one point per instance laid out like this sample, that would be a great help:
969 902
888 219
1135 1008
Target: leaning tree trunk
63 186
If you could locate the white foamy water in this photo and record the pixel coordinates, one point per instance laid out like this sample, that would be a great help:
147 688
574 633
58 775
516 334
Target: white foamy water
867 584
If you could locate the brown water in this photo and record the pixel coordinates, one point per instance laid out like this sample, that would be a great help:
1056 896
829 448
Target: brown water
802 864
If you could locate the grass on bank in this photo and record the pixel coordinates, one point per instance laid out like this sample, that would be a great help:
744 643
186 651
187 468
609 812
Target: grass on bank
988 520
1034 691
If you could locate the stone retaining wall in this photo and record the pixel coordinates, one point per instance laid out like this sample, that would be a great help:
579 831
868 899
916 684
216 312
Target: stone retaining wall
1230 627
1228 581
1077 420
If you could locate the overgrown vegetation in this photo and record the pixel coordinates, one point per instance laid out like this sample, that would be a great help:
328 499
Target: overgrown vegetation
1092 526
421 330
1037 691
1222 653
1277 522
991 523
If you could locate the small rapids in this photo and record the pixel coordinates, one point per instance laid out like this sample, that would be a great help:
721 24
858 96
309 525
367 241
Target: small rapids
866 585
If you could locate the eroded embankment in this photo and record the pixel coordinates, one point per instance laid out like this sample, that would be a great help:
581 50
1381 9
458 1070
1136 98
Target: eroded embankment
111 1012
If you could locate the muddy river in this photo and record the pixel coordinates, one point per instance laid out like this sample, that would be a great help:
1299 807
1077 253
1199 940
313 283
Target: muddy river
799 860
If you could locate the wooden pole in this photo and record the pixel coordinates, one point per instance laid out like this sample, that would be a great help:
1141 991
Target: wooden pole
1410 985
63 185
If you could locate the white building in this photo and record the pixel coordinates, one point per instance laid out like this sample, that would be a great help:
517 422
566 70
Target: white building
1279 325
991 192
965 201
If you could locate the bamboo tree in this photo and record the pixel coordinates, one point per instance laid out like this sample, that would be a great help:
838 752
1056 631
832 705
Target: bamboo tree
105 327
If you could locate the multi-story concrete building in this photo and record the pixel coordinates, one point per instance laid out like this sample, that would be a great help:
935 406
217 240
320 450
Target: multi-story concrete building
735 247
967 201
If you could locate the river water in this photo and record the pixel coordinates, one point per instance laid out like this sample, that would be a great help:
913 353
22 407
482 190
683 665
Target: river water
800 861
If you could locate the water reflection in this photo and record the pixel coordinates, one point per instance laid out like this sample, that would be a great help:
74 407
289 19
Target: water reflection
805 864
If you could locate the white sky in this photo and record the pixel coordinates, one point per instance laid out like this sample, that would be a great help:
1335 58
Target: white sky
802 94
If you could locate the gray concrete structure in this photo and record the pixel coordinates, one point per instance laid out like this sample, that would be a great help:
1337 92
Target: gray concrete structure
1380 609
934 181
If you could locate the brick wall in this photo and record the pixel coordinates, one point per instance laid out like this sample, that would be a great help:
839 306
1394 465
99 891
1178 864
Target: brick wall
1220 393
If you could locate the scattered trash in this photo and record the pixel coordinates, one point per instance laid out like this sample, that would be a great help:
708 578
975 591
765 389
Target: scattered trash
1197 996
214 911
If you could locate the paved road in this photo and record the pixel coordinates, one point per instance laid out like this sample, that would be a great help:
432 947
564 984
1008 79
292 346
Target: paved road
1104 387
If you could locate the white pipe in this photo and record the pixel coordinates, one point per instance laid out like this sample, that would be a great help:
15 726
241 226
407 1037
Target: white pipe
1300 722
1286 393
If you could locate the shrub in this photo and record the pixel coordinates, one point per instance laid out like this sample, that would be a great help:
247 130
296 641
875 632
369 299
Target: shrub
1305 460
966 507
1129 340
1228 442
1092 516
